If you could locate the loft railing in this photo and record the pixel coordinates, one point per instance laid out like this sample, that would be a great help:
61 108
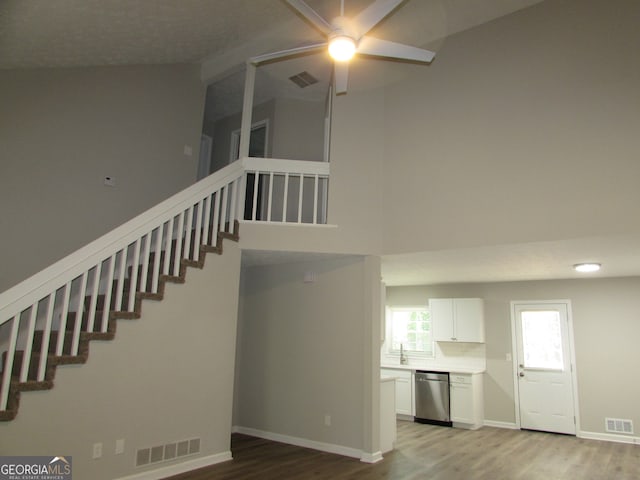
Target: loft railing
287 191
77 293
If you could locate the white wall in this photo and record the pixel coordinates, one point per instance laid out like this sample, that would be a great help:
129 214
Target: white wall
63 130
166 377
523 129
606 320
307 349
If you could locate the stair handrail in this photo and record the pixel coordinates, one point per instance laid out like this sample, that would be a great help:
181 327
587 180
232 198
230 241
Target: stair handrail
21 296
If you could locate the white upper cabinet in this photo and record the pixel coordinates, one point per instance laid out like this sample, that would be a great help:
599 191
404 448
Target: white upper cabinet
457 319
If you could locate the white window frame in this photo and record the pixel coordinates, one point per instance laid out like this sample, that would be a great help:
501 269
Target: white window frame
389 332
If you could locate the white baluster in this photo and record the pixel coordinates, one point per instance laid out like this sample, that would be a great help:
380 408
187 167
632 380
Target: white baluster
77 328
94 297
178 252
107 295
26 359
285 197
300 198
207 220
8 367
145 257
62 328
270 197
167 247
223 209
133 279
315 200
121 273
232 208
254 208
156 259
196 239
216 219
46 334
188 232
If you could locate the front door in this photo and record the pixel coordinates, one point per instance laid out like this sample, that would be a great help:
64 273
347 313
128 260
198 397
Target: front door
544 370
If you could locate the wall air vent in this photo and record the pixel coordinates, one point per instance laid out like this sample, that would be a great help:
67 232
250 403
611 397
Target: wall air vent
618 425
165 453
303 79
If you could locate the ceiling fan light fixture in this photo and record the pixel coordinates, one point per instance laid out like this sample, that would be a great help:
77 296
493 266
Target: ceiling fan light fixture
586 267
342 48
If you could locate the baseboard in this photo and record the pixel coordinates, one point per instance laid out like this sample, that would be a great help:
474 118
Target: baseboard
306 443
176 469
496 424
609 437
371 457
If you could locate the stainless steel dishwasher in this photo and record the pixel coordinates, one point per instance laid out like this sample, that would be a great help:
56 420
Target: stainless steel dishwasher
432 398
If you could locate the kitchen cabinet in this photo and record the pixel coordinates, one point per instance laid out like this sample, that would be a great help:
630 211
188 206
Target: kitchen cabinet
404 389
466 396
457 319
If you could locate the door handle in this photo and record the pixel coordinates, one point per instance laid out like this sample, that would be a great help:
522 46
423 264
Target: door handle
521 374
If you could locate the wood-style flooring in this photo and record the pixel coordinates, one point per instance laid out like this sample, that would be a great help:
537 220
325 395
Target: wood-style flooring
438 453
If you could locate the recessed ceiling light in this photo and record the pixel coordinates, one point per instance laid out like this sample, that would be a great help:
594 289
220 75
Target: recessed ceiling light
586 267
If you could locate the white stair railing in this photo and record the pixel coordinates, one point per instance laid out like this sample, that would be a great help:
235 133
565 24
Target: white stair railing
285 191
47 314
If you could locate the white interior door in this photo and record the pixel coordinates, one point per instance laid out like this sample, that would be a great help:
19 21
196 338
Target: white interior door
544 367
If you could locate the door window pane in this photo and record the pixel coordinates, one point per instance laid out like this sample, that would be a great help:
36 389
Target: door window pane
542 340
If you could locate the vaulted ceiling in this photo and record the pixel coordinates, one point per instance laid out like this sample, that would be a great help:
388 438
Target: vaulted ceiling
64 33
221 34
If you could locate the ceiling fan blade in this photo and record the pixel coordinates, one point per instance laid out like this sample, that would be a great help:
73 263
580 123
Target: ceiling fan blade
384 48
311 15
374 13
341 76
292 52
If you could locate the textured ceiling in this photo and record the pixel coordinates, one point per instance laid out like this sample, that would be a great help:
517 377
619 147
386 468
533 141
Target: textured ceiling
45 33
36 33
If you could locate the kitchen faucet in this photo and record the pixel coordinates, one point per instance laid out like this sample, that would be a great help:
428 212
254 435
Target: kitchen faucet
403 360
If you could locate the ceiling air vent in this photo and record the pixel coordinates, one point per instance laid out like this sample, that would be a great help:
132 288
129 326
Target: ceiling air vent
303 79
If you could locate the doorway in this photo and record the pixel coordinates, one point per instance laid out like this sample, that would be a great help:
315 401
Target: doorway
544 366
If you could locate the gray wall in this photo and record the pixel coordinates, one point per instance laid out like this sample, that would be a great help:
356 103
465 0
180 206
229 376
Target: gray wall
522 129
166 377
298 129
306 350
63 130
606 321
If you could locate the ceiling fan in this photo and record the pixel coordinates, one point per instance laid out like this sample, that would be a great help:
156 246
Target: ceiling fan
346 37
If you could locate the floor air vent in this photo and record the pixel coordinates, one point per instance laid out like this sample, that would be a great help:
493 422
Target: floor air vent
168 452
617 425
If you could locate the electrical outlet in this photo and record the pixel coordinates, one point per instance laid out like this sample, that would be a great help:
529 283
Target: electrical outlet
119 446
110 181
508 357
327 420
97 450
188 151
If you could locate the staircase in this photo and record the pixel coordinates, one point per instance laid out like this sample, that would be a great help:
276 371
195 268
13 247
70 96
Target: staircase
50 319
79 325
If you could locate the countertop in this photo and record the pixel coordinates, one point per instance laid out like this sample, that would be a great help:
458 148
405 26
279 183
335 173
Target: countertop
437 368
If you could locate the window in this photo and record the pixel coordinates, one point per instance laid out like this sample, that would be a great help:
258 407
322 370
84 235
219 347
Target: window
411 328
542 340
